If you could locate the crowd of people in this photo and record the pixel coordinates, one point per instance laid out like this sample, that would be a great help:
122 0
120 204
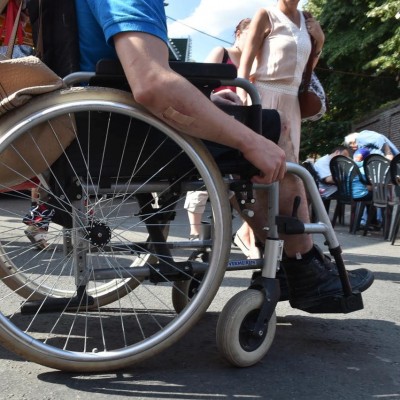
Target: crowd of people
271 51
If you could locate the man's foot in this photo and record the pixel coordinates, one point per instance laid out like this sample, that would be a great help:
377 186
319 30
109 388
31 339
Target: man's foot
314 280
37 236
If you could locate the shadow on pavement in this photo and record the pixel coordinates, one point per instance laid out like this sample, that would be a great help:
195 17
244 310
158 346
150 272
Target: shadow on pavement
311 358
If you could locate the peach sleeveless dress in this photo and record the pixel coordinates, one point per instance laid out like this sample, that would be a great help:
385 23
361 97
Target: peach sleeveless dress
279 66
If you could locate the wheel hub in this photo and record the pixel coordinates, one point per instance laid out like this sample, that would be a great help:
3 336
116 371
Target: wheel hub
99 234
250 340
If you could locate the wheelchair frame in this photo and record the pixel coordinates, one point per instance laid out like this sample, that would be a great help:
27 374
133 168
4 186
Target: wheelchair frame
105 289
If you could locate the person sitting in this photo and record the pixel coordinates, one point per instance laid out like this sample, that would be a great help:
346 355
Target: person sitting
141 46
375 142
360 190
327 186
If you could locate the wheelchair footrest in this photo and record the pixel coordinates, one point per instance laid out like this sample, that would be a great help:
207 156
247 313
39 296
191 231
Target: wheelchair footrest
335 305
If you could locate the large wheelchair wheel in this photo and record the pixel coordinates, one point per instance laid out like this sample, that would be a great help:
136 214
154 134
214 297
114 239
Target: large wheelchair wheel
236 339
98 296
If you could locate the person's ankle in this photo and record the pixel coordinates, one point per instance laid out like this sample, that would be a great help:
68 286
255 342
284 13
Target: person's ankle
301 257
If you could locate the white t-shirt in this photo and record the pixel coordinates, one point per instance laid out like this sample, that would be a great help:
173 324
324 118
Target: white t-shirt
323 170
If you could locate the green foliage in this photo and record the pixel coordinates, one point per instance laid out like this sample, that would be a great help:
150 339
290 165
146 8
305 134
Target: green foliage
359 67
389 57
319 138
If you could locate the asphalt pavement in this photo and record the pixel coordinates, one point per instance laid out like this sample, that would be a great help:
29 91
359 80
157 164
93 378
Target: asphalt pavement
320 356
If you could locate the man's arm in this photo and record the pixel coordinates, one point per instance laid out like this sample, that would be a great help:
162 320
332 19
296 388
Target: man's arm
328 180
174 100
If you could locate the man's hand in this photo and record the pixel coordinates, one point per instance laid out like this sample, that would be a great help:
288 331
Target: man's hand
268 158
226 97
242 95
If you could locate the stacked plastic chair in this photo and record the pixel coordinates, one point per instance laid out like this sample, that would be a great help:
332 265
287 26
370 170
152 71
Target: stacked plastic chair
376 169
344 170
395 198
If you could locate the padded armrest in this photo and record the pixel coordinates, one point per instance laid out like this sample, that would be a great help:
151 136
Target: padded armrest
205 76
204 70
187 69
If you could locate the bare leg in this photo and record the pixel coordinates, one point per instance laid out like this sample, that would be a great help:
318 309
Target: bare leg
34 195
246 235
195 205
290 187
195 223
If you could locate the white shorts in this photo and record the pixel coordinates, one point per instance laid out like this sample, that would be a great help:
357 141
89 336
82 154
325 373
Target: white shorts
196 201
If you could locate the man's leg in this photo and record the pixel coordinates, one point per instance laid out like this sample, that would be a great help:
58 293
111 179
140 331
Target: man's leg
177 102
311 276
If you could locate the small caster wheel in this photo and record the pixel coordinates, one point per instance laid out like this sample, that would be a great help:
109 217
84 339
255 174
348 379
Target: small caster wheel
235 337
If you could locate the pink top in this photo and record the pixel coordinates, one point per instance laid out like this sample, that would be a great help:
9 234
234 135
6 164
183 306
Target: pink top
227 61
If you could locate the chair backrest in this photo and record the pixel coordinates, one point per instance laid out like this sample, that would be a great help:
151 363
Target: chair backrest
376 169
395 170
344 170
309 166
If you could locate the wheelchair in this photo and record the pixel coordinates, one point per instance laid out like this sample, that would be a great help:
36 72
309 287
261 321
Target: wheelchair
119 281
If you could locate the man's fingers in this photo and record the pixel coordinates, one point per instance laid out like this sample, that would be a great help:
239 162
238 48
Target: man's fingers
276 175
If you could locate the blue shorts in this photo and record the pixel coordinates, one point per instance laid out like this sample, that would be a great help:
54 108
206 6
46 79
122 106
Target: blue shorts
100 20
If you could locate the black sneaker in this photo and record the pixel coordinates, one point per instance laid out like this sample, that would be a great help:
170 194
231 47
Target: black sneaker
318 279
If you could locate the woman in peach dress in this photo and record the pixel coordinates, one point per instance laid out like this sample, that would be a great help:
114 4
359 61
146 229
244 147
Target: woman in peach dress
274 57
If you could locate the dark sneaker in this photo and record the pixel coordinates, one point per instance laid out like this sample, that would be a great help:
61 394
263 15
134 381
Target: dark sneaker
310 283
39 216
